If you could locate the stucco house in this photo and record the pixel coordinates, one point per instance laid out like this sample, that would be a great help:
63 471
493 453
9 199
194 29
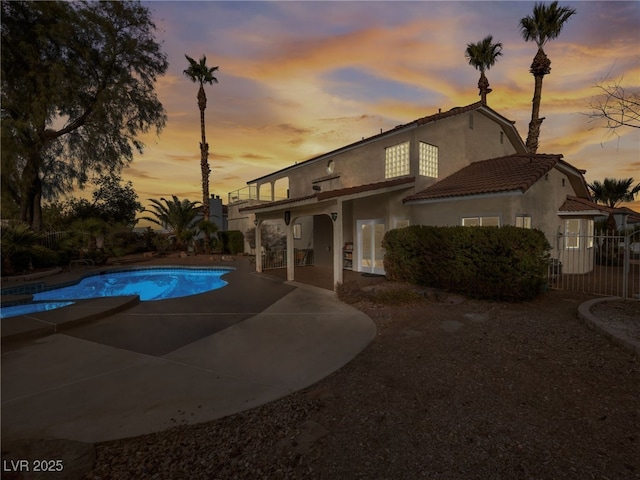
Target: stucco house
466 166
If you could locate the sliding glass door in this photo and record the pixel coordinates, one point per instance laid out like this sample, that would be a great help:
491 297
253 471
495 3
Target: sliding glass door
370 251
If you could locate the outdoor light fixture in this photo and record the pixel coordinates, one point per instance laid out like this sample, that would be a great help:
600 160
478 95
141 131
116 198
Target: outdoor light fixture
255 222
287 217
334 216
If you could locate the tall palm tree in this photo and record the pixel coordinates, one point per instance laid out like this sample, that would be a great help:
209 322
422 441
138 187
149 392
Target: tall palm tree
613 191
200 73
179 217
545 24
482 56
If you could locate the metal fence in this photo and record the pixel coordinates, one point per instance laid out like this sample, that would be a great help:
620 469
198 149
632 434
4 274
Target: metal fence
53 240
272 259
605 263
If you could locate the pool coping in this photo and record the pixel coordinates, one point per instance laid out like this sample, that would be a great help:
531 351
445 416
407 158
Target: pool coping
41 324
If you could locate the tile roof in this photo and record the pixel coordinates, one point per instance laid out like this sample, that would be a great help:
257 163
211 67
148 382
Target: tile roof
496 175
341 192
577 205
365 188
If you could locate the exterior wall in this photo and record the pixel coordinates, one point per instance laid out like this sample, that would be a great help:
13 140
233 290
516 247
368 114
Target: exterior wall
460 139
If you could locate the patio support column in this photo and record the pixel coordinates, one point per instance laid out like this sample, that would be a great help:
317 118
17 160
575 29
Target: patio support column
290 252
337 245
258 246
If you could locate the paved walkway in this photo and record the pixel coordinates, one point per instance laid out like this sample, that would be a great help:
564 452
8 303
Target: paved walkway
182 361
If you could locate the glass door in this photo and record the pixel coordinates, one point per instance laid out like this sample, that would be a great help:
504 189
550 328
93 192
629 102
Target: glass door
370 251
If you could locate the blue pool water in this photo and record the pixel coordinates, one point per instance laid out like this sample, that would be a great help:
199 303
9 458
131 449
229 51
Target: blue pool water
147 283
27 308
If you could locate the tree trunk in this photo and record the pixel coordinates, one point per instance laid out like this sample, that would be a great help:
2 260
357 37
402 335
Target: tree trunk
31 193
204 165
540 67
483 86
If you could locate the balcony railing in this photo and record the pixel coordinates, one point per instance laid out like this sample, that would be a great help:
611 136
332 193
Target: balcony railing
250 192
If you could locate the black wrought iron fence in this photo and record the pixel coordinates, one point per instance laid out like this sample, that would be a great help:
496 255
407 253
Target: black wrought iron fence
605 263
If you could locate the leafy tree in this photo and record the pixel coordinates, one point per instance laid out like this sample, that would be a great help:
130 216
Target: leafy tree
617 105
177 216
77 90
612 191
200 73
112 203
271 237
545 24
482 56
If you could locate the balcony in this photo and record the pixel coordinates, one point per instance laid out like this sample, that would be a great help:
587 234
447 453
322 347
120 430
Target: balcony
247 193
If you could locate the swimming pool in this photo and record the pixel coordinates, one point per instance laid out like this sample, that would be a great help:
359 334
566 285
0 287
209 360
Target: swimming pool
149 283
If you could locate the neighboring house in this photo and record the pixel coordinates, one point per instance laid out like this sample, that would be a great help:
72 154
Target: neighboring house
467 166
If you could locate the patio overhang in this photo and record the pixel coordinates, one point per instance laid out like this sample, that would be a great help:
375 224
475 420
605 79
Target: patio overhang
328 203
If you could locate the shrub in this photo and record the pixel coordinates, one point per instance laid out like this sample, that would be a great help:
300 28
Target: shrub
232 241
22 250
505 263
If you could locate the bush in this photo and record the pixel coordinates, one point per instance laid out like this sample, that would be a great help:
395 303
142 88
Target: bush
505 263
232 241
22 250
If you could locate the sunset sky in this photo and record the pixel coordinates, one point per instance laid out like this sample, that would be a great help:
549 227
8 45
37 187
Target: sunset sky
297 79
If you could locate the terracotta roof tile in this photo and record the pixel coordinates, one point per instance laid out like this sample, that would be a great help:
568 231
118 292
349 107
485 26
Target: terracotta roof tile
496 175
365 188
577 204
336 193
279 202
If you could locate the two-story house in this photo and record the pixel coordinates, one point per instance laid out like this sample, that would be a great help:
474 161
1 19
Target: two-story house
467 166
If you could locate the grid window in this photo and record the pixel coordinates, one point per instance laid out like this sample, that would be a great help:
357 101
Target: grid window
396 161
428 160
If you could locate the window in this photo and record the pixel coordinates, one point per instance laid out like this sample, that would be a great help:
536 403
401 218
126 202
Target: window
481 221
572 233
523 221
429 160
396 161
331 167
297 231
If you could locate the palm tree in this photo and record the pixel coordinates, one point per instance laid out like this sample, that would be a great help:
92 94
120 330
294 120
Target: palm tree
614 191
199 72
482 56
177 216
545 24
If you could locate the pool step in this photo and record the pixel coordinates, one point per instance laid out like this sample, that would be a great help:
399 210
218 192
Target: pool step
49 322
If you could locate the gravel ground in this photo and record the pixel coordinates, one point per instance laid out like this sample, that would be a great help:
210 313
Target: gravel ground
449 389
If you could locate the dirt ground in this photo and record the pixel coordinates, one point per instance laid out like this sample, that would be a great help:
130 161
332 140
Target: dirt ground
450 388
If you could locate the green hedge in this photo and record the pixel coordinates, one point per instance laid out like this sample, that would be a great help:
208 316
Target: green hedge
232 241
506 263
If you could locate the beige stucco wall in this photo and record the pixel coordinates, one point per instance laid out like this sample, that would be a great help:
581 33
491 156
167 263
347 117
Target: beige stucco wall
460 139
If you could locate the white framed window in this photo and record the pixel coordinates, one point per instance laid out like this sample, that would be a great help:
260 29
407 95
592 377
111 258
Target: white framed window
428 160
572 233
480 221
590 233
523 221
396 160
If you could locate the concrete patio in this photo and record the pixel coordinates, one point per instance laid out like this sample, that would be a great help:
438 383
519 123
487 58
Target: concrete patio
180 361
